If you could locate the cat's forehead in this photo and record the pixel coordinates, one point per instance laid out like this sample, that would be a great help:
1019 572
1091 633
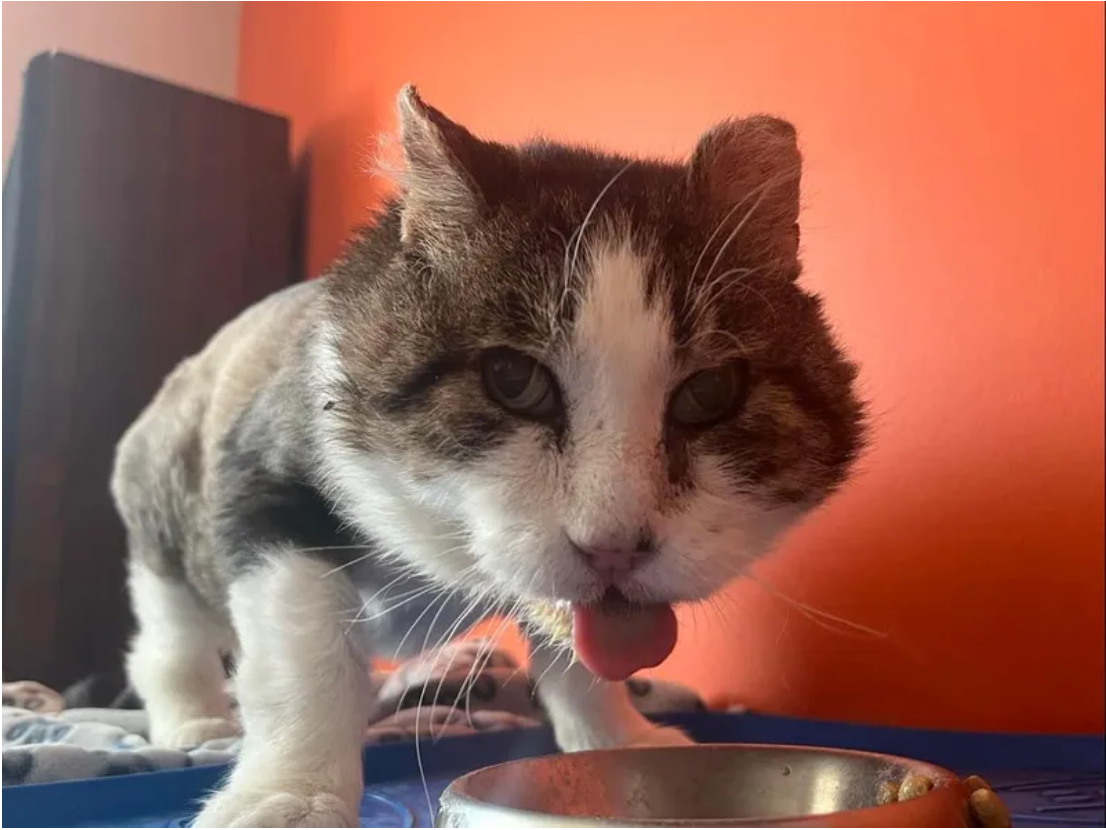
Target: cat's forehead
623 335
584 197
720 292
628 269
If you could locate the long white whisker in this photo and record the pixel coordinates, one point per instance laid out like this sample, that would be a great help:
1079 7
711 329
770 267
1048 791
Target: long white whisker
591 211
407 598
815 615
706 294
366 603
422 698
472 606
764 190
492 647
430 605
717 229
466 684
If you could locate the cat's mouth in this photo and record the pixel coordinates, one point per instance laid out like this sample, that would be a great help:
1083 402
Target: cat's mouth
615 637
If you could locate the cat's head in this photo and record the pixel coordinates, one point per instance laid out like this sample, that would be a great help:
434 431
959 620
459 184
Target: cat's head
551 370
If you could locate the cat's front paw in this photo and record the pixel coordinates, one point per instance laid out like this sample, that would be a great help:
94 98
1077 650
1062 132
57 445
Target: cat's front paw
244 807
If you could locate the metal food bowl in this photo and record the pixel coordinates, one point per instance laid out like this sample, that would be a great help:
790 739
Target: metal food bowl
710 785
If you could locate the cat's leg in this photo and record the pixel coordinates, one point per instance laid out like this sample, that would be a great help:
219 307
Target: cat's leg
174 661
303 693
590 713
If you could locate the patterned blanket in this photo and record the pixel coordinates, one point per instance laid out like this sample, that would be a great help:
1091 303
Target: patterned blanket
434 695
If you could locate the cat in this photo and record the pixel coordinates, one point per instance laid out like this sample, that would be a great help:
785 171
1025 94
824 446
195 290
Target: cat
547 381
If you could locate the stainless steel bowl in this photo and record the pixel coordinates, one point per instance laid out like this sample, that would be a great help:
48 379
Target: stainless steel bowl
710 785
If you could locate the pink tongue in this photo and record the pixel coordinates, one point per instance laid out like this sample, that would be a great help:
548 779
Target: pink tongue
615 638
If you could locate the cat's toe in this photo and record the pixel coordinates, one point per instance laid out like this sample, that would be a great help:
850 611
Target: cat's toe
245 808
193 733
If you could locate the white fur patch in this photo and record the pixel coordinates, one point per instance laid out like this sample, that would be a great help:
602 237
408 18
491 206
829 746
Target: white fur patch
174 662
616 384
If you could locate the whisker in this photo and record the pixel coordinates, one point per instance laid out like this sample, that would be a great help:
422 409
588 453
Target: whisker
820 617
763 190
372 550
422 695
473 605
407 598
812 613
366 603
493 646
591 212
717 229
470 678
440 595
519 622
710 293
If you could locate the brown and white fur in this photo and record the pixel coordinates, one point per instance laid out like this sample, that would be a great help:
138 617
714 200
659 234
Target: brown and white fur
338 435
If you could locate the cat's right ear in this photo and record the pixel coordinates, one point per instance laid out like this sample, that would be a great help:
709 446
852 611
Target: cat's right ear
445 165
747 171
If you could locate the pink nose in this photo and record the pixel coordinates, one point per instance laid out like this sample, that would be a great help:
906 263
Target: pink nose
614 563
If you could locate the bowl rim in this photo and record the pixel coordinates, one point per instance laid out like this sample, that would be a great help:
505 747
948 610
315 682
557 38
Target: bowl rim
947 787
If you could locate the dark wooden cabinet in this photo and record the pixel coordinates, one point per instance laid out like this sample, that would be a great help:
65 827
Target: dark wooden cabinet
138 218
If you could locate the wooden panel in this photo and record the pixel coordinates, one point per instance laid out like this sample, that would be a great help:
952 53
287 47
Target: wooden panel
148 215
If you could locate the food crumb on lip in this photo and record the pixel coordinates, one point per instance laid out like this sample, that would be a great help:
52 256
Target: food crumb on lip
914 786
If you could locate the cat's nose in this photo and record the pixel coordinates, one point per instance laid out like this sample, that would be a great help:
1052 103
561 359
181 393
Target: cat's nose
614 561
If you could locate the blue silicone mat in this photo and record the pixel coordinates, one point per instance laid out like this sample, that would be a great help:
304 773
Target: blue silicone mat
1046 781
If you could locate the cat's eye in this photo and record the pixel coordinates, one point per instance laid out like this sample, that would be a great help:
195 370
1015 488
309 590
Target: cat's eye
709 396
519 383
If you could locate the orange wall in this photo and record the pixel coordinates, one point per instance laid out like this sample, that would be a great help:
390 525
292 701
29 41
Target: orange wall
955 224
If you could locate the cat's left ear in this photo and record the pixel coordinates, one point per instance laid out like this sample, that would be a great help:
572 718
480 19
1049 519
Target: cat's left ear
450 176
747 172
